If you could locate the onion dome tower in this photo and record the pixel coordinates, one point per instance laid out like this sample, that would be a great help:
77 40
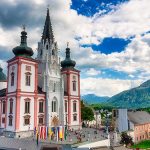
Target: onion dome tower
68 63
23 49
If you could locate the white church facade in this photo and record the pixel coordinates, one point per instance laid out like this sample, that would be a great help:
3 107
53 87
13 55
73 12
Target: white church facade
39 92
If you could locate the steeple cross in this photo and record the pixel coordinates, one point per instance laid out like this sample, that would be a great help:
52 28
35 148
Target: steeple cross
67 44
24 27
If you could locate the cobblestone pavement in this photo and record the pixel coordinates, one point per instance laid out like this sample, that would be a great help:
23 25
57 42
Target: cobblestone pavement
87 135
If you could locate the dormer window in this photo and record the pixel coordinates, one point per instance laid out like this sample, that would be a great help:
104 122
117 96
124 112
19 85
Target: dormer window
12 78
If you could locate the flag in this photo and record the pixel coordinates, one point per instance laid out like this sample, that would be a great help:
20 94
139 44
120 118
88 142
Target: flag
57 133
49 133
34 131
60 132
65 133
41 132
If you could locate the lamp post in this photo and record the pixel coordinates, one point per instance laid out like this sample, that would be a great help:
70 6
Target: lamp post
96 112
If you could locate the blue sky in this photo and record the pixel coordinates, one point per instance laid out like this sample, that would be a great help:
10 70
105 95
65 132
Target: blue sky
109 39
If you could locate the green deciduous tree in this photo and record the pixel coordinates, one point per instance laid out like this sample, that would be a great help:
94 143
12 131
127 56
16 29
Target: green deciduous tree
126 139
87 113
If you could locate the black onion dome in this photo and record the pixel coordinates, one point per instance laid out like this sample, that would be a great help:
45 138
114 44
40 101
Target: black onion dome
68 63
23 49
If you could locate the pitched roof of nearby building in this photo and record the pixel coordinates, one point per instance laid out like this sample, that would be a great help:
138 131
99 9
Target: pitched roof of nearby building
3 92
139 117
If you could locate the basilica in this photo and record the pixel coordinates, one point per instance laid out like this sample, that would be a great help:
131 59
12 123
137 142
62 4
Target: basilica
44 91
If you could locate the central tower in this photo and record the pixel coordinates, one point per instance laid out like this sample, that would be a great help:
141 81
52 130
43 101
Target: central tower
50 79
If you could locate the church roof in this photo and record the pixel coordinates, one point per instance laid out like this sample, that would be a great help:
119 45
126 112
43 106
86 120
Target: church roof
68 62
48 31
2 75
23 49
3 92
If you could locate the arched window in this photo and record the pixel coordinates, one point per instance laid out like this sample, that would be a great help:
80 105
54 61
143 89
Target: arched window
11 106
53 52
54 87
41 106
26 120
74 106
74 83
3 108
47 47
66 106
74 117
41 119
27 106
12 78
54 105
28 78
10 120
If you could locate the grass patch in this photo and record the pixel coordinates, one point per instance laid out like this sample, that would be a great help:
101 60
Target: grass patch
142 145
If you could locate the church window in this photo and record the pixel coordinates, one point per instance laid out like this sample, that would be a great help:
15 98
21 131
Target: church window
28 78
41 52
27 120
74 83
47 47
54 106
10 120
11 106
74 106
53 52
28 68
27 107
54 87
66 106
41 120
41 104
12 78
75 117
3 120
3 110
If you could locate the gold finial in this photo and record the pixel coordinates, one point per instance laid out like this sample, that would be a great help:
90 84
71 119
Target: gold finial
67 44
24 27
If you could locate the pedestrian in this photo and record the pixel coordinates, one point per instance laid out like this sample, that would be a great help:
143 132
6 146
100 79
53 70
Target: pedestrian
37 139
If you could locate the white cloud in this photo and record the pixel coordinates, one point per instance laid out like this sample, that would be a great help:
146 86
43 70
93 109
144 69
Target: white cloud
130 18
93 72
106 87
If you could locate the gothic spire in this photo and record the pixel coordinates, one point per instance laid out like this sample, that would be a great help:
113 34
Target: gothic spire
48 31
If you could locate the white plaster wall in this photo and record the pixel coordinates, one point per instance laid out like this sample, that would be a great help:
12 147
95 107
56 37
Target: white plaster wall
22 114
75 93
11 128
12 88
3 85
25 88
77 112
65 82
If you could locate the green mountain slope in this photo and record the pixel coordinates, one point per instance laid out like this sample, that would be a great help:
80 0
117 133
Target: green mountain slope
134 98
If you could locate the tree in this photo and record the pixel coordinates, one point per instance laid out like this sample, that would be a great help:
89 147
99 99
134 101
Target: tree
87 113
126 139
